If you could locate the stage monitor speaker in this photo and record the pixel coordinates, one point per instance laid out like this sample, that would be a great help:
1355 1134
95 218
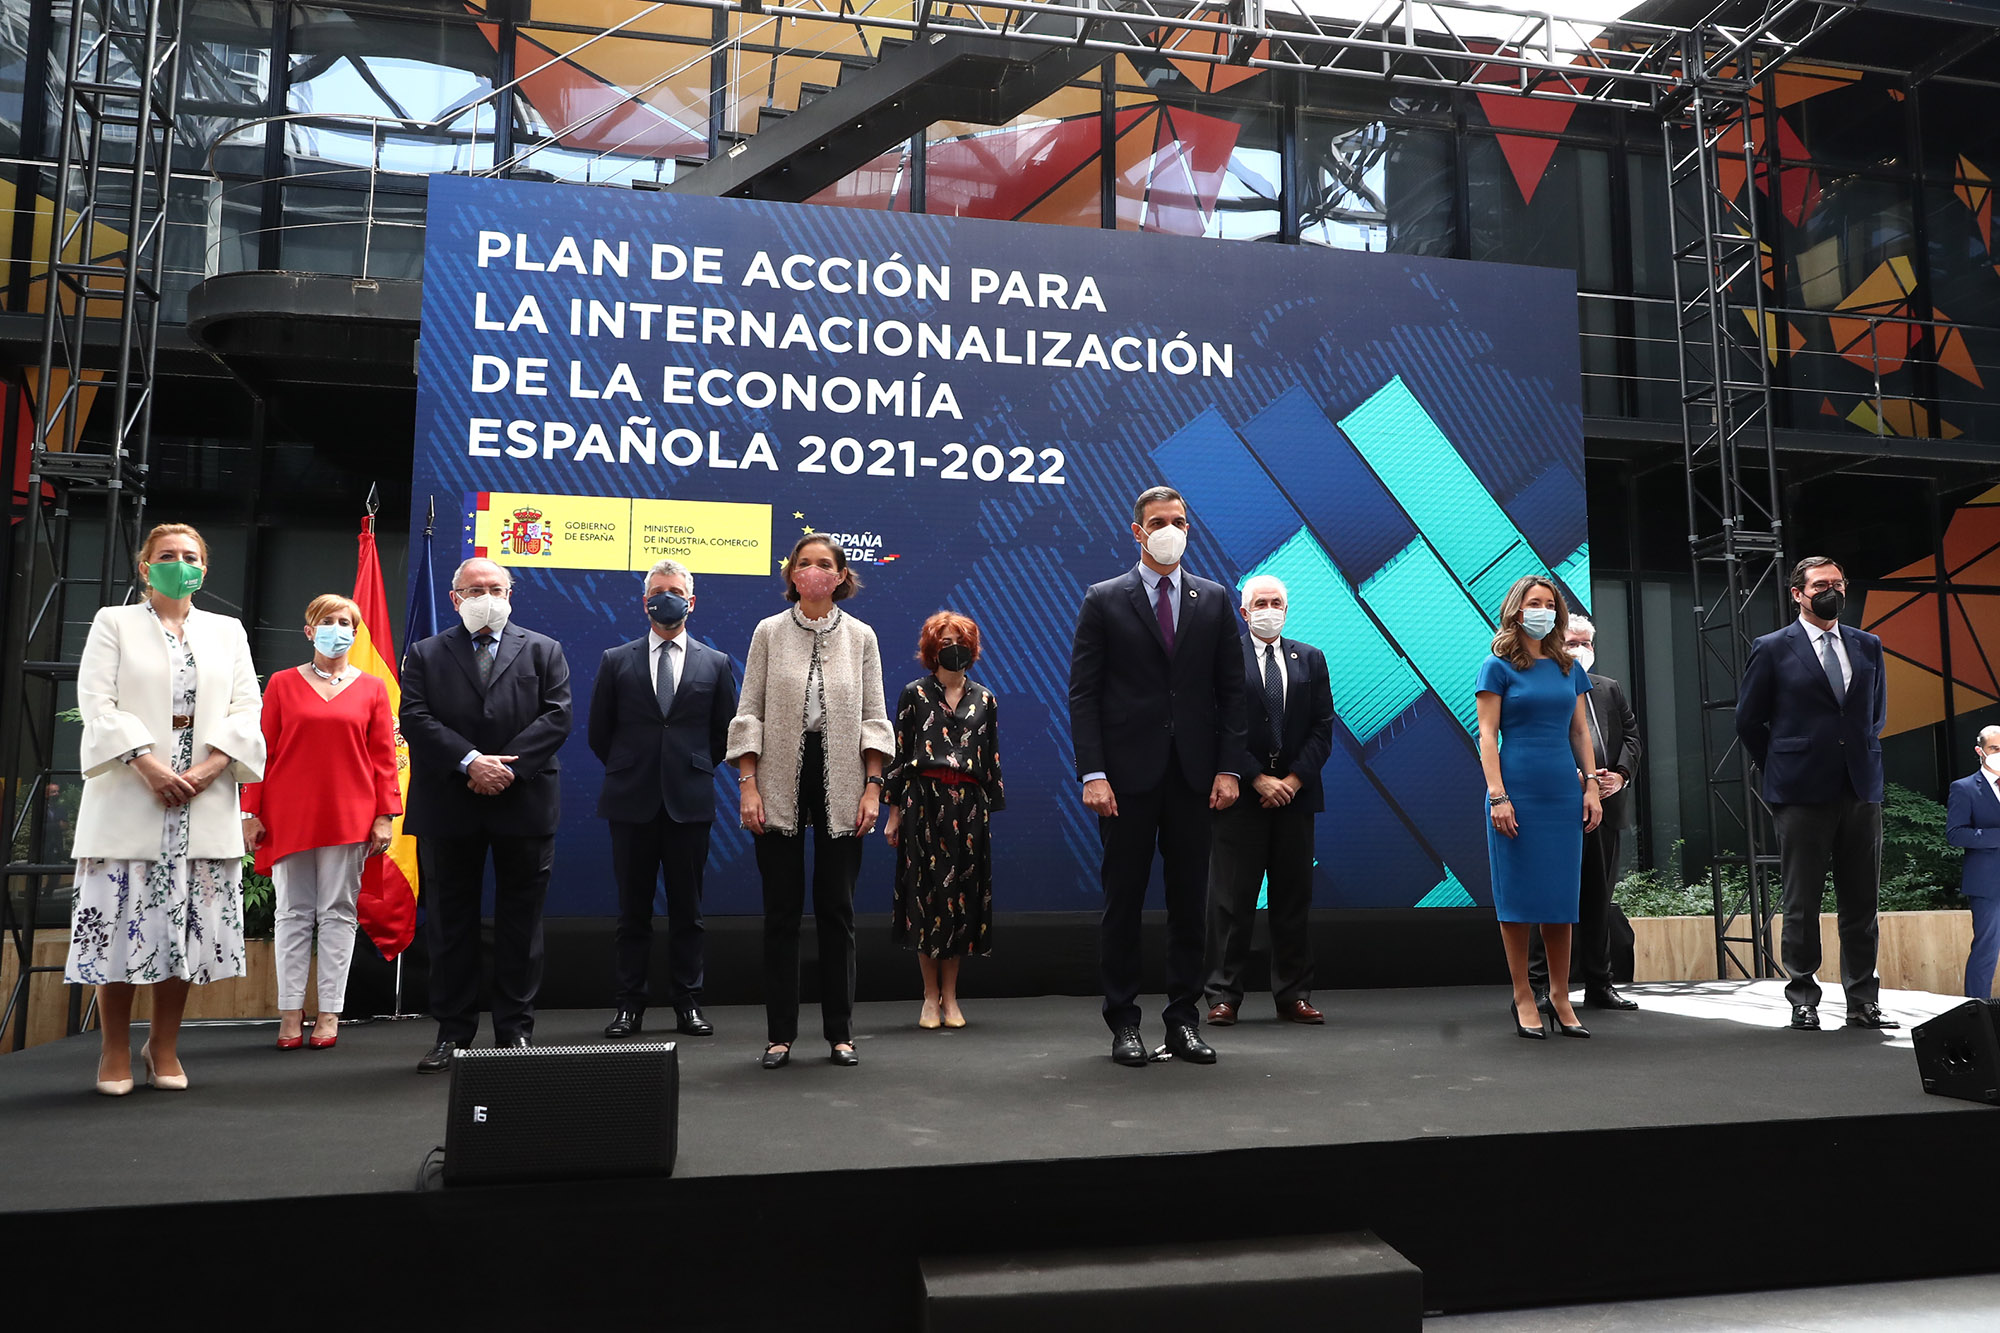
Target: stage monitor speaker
562 1113
1958 1053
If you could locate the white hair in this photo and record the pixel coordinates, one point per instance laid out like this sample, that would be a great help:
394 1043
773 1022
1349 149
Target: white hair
459 573
672 569
1250 586
1578 620
1984 732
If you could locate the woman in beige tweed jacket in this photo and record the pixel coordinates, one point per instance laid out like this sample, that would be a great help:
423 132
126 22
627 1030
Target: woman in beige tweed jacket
809 740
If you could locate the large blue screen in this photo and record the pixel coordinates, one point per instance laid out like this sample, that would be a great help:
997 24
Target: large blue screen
608 377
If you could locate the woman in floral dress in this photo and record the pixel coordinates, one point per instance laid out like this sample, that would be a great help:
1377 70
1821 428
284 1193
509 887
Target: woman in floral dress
943 786
170 727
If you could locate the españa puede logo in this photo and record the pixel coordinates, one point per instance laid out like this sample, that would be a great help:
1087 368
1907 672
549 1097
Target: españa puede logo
526 533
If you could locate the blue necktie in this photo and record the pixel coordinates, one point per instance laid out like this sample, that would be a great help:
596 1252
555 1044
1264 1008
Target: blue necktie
482 653
1274 698
663 686
1829 660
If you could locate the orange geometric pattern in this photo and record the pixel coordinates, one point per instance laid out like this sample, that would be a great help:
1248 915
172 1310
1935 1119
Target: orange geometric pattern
1208 75
1914 629
1975 191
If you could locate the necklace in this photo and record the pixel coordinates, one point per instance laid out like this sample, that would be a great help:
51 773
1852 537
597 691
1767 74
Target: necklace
328 676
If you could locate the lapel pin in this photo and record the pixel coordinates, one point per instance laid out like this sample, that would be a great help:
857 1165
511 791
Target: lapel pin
1192 594
1295 657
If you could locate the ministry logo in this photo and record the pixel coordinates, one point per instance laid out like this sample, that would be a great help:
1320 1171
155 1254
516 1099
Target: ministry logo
527 533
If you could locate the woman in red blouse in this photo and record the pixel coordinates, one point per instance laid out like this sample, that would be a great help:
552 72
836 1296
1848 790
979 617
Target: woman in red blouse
327 803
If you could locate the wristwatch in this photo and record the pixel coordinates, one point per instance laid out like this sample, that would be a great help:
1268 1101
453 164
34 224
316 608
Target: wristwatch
877 781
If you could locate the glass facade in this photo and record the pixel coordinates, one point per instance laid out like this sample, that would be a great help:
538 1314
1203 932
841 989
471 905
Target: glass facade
1879 218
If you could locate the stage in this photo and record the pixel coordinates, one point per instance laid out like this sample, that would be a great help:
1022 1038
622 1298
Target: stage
1679 1151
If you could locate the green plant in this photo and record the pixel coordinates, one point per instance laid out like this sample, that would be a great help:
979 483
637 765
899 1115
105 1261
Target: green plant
260 902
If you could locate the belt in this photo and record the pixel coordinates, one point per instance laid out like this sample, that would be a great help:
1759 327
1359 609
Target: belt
951 777
182 721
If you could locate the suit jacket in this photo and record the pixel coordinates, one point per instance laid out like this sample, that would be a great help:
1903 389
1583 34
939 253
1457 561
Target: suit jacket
1617 737
124 690
1810 748
523 711
653 763
1973 822
1308 724
1129 703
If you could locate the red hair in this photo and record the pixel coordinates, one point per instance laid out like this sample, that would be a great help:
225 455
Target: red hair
931 638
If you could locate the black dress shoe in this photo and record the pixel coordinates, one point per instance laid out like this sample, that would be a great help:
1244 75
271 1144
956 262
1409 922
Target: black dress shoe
1126 1048
693 1024
1805 1018
439 1058
519 1039
846 1057
777 1057
1184 1043
1604 997
624 1023
1870 1016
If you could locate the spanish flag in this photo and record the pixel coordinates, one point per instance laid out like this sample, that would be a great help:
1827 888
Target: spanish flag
388 902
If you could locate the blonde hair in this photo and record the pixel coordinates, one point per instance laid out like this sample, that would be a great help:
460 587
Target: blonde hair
164 531
1511 643
326 604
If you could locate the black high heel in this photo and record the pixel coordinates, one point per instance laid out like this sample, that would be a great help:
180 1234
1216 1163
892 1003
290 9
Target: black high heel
1547 1005
1532 1034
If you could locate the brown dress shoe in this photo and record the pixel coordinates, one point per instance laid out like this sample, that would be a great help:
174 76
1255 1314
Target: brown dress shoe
1222 1015
1298 1011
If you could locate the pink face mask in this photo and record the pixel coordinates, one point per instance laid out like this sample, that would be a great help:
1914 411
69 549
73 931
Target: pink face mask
814 583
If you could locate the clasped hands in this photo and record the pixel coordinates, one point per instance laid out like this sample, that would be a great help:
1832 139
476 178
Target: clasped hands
489 774
170 788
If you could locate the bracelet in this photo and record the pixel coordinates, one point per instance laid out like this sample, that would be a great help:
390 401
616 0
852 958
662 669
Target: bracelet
743 779
876 781
1502 799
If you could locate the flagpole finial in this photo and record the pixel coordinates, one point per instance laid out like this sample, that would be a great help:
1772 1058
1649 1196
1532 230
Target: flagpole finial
431 515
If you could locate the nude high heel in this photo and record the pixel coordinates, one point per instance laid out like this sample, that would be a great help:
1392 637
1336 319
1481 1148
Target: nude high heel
164 1082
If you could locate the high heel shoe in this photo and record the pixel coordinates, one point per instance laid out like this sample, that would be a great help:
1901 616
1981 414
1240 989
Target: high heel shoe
319 1043
291 1043
1547 1004
954 1017
164 1082
114 1087
1532 1034
927 1017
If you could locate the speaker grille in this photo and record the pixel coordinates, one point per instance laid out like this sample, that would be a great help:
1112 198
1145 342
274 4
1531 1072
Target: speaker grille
561 1113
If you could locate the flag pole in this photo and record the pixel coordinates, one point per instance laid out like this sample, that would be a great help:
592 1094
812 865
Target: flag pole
430 522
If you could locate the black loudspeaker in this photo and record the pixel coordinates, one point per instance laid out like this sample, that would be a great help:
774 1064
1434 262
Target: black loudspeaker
562 1113
1958 1053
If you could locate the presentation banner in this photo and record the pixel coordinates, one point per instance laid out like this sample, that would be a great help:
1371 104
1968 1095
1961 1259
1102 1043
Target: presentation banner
609 377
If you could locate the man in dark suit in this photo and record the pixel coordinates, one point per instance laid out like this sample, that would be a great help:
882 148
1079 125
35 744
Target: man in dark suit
1288 701
1614 736
1156 720
1810 711
485 708
659 722
1973 822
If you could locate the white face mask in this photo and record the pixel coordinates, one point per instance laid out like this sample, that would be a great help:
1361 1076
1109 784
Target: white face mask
1266 621
1992 764
484 612
1166 544
1585 657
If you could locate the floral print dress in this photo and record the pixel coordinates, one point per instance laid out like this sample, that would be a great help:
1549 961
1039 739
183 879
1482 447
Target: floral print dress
179 916
944 857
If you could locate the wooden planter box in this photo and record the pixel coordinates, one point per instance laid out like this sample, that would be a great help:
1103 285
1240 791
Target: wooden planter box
1920 950
253 995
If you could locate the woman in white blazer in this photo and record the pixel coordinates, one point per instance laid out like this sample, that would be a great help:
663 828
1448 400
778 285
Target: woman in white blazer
170 727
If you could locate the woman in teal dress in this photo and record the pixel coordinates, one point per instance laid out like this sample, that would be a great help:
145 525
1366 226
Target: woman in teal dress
1541 790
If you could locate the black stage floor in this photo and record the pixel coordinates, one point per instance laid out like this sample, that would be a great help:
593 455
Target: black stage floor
1693 1146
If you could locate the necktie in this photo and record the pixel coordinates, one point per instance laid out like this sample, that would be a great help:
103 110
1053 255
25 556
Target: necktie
664 686
1163 607
482 653
1831 662
1274 697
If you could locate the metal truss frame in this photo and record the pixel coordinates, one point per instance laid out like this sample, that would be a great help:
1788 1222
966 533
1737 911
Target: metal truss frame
100 332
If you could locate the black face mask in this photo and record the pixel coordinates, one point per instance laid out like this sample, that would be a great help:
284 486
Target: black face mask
1827 605
667 609
954 657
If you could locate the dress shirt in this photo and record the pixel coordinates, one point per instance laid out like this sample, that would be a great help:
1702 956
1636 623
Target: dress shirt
658 649
1152 582
1816 634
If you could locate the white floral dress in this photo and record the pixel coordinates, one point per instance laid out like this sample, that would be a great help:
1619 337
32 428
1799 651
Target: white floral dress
179 916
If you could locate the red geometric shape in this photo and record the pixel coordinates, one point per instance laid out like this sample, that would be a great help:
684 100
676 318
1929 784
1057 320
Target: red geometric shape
1181 172
1004 174
1528 158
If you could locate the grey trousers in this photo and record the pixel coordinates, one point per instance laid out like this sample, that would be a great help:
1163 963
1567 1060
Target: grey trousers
1844 836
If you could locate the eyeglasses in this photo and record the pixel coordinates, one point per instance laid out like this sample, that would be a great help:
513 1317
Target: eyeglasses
484 590
1827 585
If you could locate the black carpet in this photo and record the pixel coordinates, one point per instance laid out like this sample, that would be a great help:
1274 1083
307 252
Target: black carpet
1417 1114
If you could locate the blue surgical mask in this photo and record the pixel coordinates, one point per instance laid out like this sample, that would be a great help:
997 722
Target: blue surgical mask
1538 621
332 640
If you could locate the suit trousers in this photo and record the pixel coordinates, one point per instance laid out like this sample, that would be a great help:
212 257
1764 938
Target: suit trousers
642 857
1590 940
1249 844
1985 955
1846 837
316 887
453 870
781 861
1175 818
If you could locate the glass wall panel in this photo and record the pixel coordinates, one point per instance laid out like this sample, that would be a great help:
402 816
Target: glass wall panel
1212 172
1843 118
614 109
1044 166
384 91
1376 186
15 64
1853 256
1539 201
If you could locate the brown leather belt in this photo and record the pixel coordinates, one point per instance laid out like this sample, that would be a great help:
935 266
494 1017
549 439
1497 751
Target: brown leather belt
182 721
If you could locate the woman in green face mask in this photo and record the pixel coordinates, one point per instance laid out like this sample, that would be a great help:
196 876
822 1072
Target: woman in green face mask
170 727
